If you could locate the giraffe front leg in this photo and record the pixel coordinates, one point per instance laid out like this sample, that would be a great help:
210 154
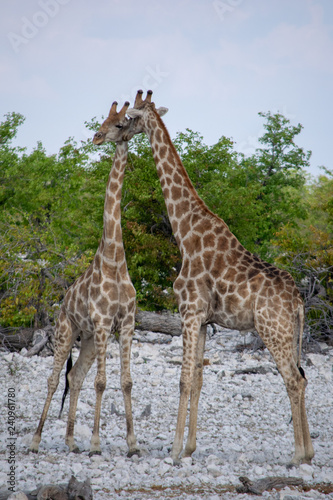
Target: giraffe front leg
190 339
126 336
195 394
100 384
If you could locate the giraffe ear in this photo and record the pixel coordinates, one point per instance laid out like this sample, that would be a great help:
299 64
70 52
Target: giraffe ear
162 111
134 113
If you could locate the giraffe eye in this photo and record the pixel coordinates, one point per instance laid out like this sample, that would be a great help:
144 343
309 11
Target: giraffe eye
119 126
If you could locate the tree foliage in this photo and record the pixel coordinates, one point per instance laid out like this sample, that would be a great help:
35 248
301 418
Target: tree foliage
306 250
52 212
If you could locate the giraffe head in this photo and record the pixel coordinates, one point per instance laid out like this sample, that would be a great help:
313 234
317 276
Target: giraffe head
137 113
118 128
112 129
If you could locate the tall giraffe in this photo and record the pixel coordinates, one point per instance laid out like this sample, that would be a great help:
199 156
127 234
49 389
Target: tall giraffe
100 302
221 282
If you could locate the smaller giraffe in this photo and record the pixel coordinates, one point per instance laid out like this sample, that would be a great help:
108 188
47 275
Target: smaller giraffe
100 302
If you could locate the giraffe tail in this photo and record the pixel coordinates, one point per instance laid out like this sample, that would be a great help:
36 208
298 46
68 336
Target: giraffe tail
300 329
68 369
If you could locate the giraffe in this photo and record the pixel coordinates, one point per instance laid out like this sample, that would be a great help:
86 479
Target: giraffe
101 301
221 282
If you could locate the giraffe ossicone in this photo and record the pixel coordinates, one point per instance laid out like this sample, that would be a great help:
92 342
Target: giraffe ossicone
100 302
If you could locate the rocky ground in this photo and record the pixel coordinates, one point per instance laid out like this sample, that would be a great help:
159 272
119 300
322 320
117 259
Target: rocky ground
244 424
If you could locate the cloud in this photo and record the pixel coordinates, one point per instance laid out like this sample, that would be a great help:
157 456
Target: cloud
13 81
287 46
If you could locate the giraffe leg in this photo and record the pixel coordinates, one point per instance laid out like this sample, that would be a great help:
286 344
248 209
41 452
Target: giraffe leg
125 343
308 447
195 393
190 339
295 384
64 342
101 336
75 378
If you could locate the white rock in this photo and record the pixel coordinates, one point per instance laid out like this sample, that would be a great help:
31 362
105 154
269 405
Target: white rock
76 468
214 470
211 459
306 471
328 476
163 468
259 471
243 458
83 431
235 436
8 357
186 461
96 459
19 495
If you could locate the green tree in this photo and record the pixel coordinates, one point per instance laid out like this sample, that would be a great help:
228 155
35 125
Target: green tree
52 210
224 181
306 251
279 166
44 231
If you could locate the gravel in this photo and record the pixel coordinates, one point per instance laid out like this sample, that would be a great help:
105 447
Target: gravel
244 426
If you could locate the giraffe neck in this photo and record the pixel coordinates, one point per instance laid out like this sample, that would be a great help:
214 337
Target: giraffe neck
111 245
183 204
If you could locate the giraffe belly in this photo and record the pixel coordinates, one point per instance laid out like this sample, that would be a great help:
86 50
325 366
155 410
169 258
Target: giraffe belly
231 311
244 323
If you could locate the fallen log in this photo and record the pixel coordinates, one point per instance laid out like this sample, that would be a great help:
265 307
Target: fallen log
267 483
254 370
71 491
158 322
14 339
40 339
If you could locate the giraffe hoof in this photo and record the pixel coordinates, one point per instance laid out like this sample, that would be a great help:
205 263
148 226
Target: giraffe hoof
33 450
76 450
134 452
95 452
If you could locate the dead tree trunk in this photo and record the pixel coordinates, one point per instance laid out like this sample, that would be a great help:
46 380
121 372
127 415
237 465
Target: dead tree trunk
158 322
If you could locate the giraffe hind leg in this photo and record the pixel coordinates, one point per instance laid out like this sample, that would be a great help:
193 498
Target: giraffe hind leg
75 379
308 447
63 346
295 384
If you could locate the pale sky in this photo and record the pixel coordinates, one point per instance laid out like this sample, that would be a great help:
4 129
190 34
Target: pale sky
215 64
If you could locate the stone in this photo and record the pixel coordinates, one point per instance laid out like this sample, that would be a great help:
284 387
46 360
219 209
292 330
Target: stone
18 495
214 470
306 471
